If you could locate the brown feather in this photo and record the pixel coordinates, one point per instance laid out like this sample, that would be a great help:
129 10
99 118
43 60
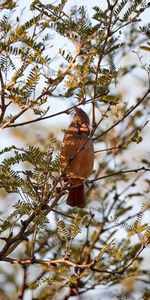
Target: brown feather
76 196
77 157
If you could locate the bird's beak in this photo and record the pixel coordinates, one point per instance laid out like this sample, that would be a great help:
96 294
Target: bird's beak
84 128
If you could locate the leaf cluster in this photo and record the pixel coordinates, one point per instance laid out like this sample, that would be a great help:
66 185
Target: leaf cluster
78 249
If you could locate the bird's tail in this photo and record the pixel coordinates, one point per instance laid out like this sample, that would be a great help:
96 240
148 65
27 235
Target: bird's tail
76 196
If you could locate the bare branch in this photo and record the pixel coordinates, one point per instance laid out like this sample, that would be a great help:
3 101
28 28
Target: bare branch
132 261
52 263
110 149
13 241
2 106
119 173
124 117
65 111
22 288
11 120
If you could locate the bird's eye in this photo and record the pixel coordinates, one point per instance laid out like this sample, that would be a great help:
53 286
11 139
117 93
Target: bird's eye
76 125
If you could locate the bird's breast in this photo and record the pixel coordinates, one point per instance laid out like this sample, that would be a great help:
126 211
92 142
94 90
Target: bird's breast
77 156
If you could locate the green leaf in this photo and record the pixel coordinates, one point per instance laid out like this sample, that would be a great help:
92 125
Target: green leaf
109 99
137 229
63 231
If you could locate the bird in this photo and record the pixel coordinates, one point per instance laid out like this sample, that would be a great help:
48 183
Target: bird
77 157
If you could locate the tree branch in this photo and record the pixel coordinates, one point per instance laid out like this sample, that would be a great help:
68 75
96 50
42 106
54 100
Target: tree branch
124 117
52 263
2 106
23 286
13 241
132 261
65 111
120 172
7 124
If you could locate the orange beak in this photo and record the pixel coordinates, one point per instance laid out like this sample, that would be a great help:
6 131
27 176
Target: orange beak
84 128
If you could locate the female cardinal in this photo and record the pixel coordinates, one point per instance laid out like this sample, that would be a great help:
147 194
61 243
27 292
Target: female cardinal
77 156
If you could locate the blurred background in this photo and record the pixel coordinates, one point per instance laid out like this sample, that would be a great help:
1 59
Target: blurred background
129 86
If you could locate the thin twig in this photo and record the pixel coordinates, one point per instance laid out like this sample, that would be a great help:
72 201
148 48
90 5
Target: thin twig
110 149
13 241
124 117
62 214
98 66
131 184
2 106
11 120
98 233
33 242
23 286
107 176
132 261
53 263
65 111
119 173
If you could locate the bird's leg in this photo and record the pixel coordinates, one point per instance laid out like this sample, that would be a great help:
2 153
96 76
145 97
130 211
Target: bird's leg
87 182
